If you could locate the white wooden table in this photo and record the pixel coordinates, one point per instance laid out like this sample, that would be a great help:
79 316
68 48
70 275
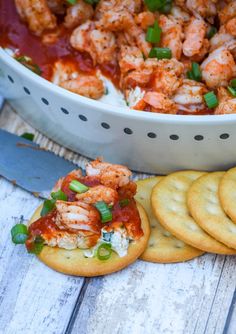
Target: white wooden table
188 298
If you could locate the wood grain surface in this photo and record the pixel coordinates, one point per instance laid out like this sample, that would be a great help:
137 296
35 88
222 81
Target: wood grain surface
197 297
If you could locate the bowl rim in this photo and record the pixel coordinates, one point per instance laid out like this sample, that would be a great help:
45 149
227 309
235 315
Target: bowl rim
123 112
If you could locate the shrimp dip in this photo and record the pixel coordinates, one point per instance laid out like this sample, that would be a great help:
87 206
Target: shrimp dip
159 56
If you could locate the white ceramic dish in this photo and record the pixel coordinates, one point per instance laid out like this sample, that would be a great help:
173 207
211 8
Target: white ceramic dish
154 143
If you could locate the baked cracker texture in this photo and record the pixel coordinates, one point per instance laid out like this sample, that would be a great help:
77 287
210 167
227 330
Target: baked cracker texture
73 262
169 204
227 193
204 205
162 247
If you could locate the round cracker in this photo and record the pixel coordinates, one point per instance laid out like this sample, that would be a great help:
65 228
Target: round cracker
73 262
227 193
169 203
204 205
162 247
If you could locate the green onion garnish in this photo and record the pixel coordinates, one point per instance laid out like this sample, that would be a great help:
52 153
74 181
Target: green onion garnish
27 62
166 9
92 2
211 32
19 234
154 33
48 206
37 245
160 53
232 91
72 2
104 251
59 195
28 136
124 202
78 187
105 212
211 100
195 73
154 5
233 83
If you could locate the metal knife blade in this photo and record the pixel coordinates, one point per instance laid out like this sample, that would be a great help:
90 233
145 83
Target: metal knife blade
25 164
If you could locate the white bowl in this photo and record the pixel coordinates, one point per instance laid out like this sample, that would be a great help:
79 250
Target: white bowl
144 141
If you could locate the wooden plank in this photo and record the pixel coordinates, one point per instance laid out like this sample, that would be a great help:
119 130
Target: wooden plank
33 298
150 298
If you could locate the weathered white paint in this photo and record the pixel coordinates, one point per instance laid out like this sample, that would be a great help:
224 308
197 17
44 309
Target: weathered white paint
146 298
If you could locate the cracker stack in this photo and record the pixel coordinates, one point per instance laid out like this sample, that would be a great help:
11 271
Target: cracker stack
190 213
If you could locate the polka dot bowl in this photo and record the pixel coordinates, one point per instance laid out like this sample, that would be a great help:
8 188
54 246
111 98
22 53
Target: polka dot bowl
147 142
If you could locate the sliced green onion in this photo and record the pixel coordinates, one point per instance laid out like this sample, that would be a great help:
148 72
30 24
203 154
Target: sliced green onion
92 2
104 251
48 206
211 32
59 195
166 9
160 53
37 245
72 2
190 75
232 91
19 234
124 202
196 71
211 100
233 83
28 136
105 212
154 5
154 33
27 62
78 187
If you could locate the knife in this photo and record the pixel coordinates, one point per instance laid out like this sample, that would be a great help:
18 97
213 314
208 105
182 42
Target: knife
27 165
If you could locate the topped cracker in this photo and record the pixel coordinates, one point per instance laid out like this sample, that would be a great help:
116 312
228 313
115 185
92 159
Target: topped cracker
169 203
204 205
162 247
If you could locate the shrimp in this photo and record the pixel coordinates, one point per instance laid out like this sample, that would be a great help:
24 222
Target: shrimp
219 67
104 6
131 58
98 193
230 26
227 104
100 44
76 216
227 13
160 103
111 175
68 77
172 34
167 76
78 14
145 19
195 38
37 15
203 8
189 96
220 38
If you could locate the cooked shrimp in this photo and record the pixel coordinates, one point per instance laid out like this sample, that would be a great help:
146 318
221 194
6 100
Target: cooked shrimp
78 14
172 34
76 216
130 58
68 77
160 103
194 37
205 8
219 67
227 13
98 193
180 14
220 38
189 97
111 175
230 26
145 19
227 103
37 15
104 6
167 76
100 44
